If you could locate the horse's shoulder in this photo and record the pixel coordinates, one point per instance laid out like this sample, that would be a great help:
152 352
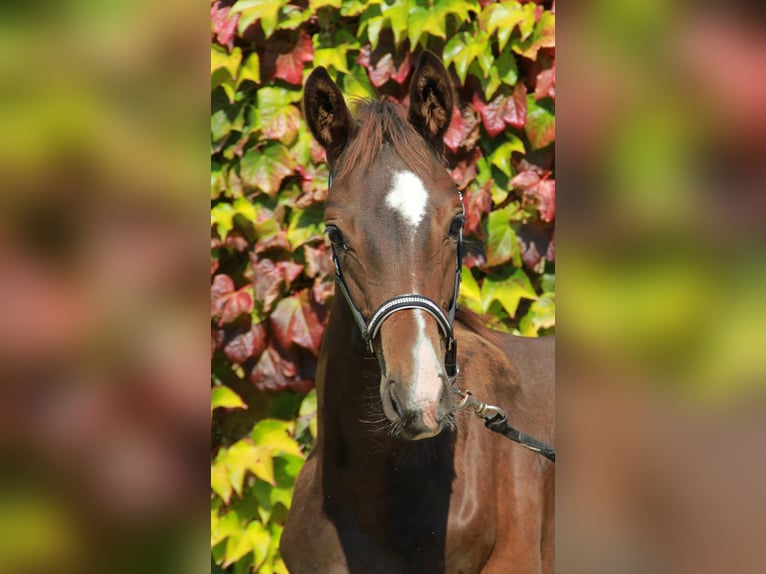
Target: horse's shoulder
516 373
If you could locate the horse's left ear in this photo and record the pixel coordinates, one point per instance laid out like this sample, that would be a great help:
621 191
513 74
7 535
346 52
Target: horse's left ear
431 100
326 113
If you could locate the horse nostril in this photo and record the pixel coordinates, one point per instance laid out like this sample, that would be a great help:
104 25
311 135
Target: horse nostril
394 402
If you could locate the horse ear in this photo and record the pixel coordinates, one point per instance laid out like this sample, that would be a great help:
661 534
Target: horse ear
431 100
326 113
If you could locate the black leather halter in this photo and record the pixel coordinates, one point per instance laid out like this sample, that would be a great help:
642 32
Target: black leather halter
369 329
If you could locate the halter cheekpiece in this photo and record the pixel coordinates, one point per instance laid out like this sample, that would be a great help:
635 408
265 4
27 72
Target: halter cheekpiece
369 329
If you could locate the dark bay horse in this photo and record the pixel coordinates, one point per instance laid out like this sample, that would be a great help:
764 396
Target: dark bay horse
397 481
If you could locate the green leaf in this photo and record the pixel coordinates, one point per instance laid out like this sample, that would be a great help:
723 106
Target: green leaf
357 85
548 282
501 156
541 315
503 18
397 14
222 216
334 58
527 25
423 19
223 526
542 35
265 11
305 225
243 455
507 291
237 545
463 49
315 5
356 7
275 435
265 168
261 491
224 397
470 293
372 22
259 539
250 69
223 65
271 101
460 9
219 478
502 245
293 17
503 71
286 469
540 126
307 415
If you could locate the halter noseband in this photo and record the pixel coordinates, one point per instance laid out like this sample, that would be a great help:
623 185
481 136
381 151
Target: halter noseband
369 330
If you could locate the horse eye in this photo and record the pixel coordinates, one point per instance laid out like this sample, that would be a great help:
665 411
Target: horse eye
456 226
336 237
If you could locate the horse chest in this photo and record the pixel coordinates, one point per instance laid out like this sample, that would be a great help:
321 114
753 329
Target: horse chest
419 521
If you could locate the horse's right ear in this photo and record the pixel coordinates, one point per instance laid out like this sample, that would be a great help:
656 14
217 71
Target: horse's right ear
326 113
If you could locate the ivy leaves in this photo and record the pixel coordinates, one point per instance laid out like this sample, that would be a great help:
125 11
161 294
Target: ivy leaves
271 273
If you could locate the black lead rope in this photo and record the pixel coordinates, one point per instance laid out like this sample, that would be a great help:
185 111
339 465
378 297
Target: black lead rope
496 419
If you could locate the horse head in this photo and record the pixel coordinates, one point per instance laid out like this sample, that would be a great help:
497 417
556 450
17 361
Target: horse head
394 218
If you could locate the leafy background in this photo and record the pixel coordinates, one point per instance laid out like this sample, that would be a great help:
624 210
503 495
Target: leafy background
271 274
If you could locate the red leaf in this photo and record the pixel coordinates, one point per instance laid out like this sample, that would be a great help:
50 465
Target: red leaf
217 336
546 199
316 152
226 303
478 102
531 256
381 68
267 282
268 373
284 125
363 59
251 343
401 73
454 135
515 107
526 180
293 321
545 85
222 287
276 240
289 66
318 261
289 270
475 260
236 304
477 203
223 26
381 72
492 116
322 290
550 254
301 386
465 170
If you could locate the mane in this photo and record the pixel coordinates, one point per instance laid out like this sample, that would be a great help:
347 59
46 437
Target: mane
379 123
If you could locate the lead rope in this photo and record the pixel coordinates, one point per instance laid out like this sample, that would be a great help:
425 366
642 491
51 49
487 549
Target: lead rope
496 419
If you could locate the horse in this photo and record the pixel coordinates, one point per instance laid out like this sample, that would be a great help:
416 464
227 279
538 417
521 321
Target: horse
397 481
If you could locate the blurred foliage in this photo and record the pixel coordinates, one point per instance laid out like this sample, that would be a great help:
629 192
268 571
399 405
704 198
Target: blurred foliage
271 275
